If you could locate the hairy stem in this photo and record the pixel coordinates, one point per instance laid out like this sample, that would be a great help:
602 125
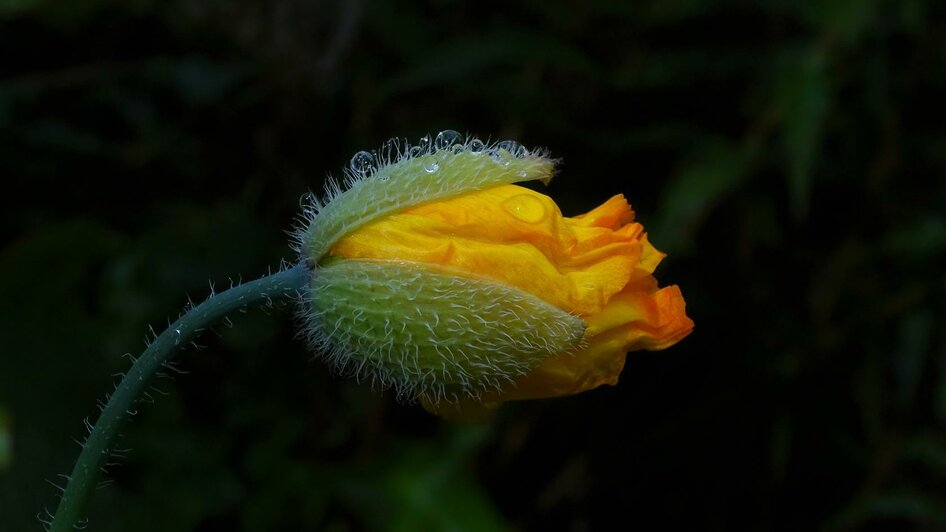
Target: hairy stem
96 450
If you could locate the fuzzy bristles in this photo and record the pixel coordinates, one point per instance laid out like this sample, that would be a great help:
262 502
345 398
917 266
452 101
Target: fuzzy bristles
428 332
400 175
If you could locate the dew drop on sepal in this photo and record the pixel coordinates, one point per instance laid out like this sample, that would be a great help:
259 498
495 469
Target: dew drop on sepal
514 148
446 139
476 146
390 151
423 146
362 163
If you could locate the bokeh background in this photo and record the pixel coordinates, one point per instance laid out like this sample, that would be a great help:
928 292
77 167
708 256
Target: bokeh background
788 156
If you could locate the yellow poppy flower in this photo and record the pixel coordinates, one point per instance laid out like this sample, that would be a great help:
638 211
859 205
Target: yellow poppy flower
486 293
597 266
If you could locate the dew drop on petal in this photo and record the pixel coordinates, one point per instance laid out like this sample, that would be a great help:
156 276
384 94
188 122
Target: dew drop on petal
526 208
431 167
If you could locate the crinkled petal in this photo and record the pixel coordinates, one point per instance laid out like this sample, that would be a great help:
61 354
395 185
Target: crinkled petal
598 265
631 321
516 236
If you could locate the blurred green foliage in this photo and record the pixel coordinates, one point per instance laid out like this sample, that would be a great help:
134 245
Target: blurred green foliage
787 156
6 439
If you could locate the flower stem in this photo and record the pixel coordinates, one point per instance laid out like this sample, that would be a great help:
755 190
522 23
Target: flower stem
96 450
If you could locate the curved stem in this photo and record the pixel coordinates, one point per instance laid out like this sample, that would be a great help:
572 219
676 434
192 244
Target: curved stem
95 452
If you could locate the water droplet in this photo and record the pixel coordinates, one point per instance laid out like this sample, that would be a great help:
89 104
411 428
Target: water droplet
514 148
446 139
423 143
390 151
501 157
525 207
431 167
362 162
476 146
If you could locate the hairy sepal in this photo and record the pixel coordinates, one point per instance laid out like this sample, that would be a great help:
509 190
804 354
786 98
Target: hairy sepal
429 332
404 176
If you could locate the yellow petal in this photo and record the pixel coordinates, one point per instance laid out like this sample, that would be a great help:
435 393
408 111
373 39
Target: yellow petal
631 321
597 265
515 236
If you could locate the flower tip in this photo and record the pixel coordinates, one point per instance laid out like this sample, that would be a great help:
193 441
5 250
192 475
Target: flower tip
672 323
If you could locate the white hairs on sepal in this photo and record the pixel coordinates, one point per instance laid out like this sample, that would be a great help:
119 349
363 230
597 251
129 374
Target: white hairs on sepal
400 175
429 332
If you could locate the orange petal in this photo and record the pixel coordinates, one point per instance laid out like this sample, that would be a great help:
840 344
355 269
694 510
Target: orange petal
598 265
631 321
516 236
612 214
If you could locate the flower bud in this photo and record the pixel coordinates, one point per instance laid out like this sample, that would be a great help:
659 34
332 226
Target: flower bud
437 276
402 176
431 333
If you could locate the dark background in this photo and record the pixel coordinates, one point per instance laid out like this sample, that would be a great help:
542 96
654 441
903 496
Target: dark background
789 159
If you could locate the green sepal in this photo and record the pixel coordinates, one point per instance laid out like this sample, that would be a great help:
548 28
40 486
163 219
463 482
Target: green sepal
412 179
430 332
